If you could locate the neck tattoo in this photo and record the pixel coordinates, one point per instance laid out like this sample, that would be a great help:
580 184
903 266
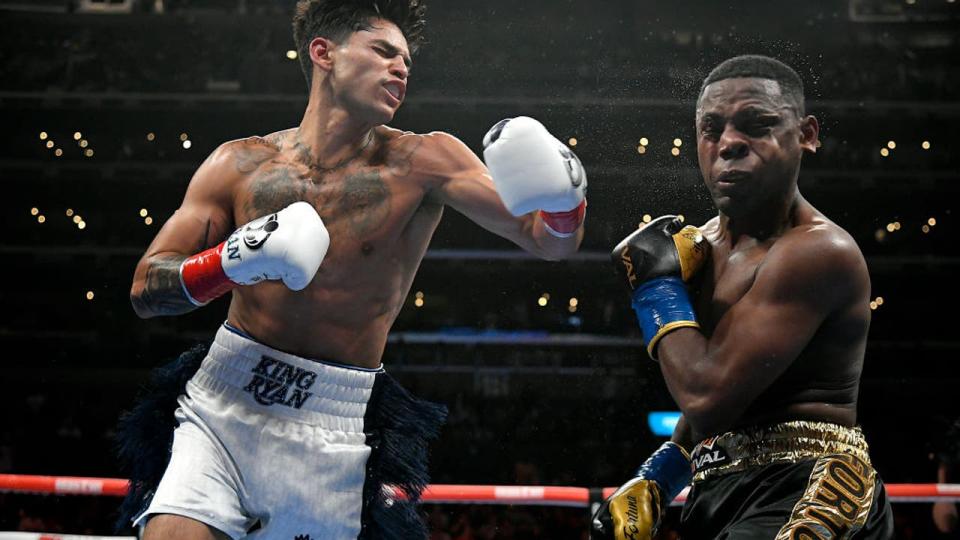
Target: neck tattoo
305 156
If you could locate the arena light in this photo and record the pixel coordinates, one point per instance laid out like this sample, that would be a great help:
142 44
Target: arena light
572 141
925 229
644 141
292 54
88 152
677 142
925 145
418 302
58 152
896 225
890 227
187 144
83 143
647 218
675 151
574 302
151 136
43 135
77 135
932 222
77 219
69 212
144 212
41 219
891 144
82 225
884 152
873 306
879 300
641 149
49 144
148 221
90 295
662 423
34 211
184 136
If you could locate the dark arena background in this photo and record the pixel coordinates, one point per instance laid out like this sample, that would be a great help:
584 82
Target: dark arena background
108 107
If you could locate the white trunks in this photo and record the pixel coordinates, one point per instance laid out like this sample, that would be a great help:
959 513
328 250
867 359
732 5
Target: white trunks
269 445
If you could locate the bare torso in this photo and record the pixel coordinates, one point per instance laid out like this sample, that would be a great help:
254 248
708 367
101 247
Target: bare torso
380 215
823 382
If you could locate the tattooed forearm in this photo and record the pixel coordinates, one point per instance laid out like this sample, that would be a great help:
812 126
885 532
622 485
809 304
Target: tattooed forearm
162 292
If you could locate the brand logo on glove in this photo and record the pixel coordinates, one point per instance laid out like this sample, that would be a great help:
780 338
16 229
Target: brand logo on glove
278 382
256 232
628 265
573 166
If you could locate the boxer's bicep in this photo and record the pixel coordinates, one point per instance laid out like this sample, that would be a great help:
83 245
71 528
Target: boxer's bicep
203 219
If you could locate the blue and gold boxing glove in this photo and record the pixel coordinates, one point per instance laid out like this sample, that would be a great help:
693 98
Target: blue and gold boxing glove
657 261
635 510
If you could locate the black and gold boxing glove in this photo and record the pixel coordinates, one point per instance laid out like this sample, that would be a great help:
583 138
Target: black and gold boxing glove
635 510
657 261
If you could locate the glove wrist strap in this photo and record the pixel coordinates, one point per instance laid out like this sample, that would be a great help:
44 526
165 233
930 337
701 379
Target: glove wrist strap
662 305
564 224
670 468
203 278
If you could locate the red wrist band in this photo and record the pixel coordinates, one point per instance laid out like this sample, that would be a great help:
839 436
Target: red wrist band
203 278
564 224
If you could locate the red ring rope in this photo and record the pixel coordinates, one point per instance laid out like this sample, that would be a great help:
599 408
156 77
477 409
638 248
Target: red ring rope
439 493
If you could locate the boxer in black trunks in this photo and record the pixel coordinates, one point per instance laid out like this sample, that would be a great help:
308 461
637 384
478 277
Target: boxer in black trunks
764 357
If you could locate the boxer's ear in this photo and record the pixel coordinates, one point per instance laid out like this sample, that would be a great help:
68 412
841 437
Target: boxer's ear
809 134
320 49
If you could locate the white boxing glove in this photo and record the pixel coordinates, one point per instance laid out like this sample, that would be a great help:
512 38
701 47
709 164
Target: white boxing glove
288 245
532 170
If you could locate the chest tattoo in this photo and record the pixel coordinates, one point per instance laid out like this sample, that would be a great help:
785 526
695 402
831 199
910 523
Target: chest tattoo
364 201
273 190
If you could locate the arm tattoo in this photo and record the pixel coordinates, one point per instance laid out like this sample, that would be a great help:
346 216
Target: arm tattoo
205 243
162 291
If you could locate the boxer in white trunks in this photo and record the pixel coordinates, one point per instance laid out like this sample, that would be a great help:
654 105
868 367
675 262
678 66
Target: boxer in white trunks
290 428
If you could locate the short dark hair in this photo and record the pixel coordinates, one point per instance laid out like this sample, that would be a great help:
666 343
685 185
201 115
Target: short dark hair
761 67
337 19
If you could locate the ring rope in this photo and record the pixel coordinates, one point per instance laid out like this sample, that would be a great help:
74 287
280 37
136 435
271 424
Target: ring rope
440 493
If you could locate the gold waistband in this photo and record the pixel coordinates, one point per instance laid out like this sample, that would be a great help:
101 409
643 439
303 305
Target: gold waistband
787 442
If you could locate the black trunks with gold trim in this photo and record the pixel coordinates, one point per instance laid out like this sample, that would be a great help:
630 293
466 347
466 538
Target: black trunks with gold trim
792 480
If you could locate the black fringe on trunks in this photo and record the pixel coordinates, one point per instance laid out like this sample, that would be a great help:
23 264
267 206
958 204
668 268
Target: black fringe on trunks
145 434
399 428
